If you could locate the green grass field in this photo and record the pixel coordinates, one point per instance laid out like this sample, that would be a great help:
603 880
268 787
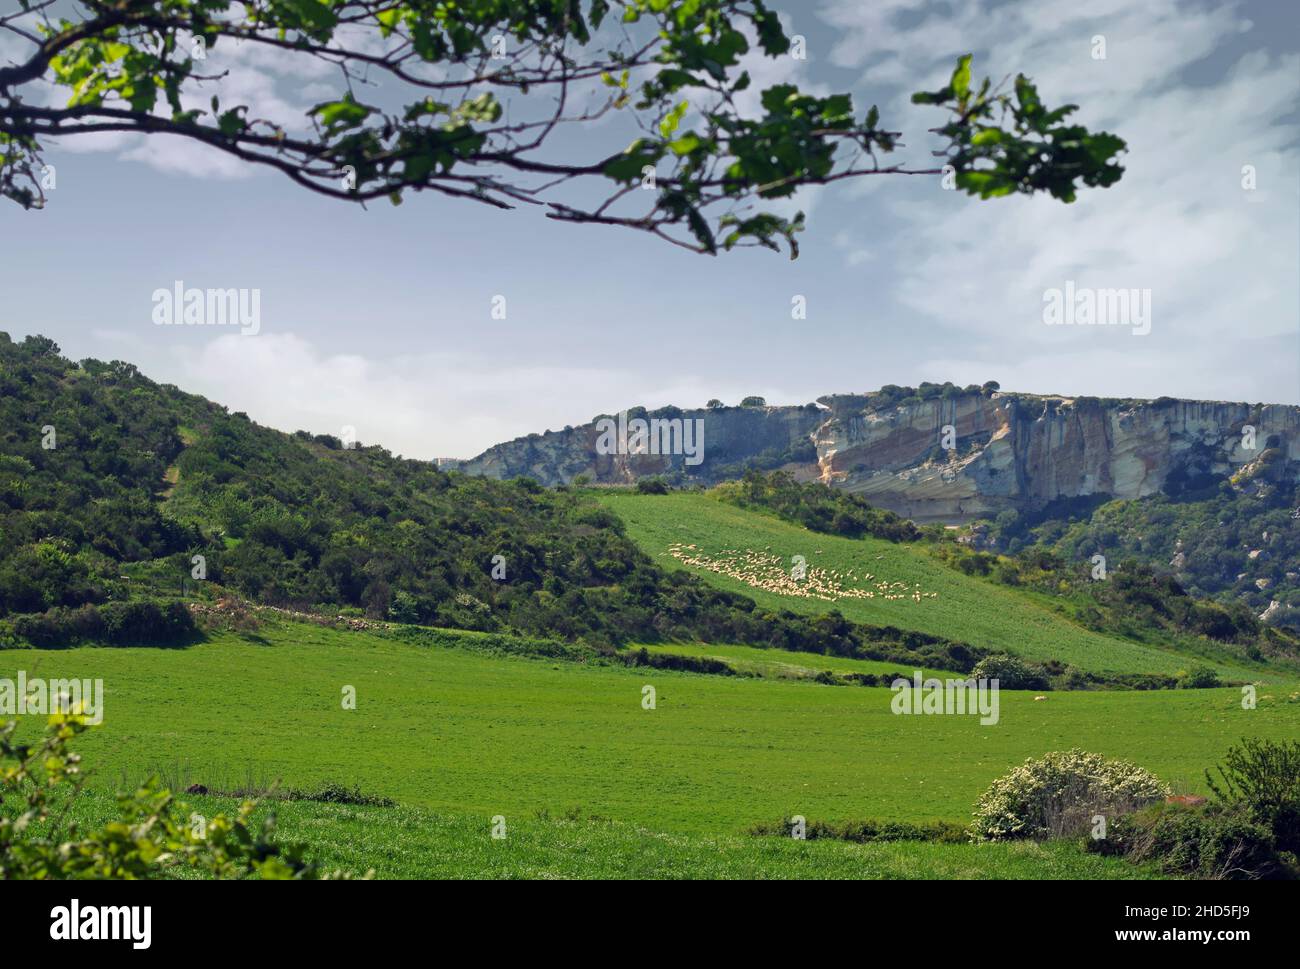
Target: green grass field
457 731
964 608
405 842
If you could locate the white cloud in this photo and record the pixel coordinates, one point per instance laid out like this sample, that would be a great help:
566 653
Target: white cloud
423 405
1221 269
182 156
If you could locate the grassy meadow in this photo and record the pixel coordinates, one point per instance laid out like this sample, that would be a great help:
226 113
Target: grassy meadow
963 608
457 731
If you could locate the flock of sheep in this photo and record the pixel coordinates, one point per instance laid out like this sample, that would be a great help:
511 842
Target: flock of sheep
772 573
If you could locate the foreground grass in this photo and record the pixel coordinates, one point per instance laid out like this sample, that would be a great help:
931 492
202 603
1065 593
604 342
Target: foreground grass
457 731
965 608
411 843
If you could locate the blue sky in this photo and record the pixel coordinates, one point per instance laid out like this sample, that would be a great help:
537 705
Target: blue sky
381 318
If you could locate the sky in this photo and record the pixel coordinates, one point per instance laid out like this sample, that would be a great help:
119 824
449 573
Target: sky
380 319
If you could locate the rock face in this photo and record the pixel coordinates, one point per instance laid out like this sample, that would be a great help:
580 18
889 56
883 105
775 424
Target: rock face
948 458
734 438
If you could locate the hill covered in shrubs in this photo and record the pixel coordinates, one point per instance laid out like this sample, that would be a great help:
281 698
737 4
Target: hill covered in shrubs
817 507
1234 540
115 489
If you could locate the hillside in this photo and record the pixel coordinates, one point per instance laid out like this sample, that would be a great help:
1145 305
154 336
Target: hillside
1206 490
712 538
111 485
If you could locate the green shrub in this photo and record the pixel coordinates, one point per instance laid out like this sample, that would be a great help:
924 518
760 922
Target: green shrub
1058 794
61 627
154 837
673 661
1199 678
42 631
405 608
1011 672
1201 841
139 623
817 507
334 792
1262 778
147 623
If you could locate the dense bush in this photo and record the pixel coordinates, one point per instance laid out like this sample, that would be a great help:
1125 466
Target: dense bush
1011 672
1199 678
137 623
670 661
1262 778
1197 841
1058 794
142 623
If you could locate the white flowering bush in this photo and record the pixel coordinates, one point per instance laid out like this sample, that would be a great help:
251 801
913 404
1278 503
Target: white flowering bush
1059 794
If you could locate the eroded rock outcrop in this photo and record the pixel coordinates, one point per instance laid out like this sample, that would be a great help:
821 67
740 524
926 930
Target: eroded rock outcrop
950 457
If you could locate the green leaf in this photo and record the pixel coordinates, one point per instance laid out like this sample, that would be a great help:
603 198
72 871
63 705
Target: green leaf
674 117
346 113
686 144
230 123
960 83
388 20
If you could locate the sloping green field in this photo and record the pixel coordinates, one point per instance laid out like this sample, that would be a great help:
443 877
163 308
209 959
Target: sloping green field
962 608
458 731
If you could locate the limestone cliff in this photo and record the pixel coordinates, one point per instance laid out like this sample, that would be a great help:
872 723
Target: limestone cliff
947 458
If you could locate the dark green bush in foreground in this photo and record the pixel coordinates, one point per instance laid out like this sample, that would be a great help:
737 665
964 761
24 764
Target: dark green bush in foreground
1262 778
1199 841
1251 829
